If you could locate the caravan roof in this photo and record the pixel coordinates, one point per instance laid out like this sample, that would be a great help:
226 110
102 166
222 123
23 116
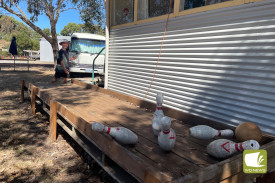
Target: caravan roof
88 36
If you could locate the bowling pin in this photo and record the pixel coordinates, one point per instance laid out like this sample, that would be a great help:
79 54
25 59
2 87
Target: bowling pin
222 148
157 115
206 132
121 134
167 136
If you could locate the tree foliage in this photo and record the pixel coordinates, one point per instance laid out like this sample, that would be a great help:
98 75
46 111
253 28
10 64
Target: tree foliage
47 31
26 38
96 30
90 12
93 14
71 28
7 25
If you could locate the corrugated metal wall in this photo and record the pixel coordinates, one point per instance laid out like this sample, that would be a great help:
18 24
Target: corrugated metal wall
219 64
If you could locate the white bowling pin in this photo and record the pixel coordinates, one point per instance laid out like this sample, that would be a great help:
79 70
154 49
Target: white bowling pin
223 148
157 115
206 132
121 134
167 136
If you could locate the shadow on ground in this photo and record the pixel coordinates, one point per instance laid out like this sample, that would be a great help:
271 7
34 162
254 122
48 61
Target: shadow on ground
26 153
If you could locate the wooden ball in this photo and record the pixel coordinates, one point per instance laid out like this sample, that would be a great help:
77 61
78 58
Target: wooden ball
248 131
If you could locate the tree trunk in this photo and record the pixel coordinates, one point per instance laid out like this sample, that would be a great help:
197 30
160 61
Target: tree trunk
54 45
54 42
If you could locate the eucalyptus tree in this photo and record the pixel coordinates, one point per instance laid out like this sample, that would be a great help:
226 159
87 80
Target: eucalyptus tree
52 9
69 29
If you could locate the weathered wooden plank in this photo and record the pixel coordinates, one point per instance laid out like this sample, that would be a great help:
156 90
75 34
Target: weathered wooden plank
121 96
189 120
142 126
33 98
95 115
179 115
114 150
22 90
126 159
140 122
228 168
266 178
151 176
53 120
111 111
242 177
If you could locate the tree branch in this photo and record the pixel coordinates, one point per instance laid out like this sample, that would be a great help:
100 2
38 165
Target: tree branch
68 9
19 9
46 8
45 4
57 10
26 20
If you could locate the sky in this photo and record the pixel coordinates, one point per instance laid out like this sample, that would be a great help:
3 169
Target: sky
43 21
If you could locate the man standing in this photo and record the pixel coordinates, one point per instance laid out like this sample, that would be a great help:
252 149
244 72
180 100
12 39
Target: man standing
62 66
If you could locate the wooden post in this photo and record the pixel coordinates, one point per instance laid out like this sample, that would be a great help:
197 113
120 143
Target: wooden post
43 105
150 178
153 176
33 97
22 90
53 120
105 160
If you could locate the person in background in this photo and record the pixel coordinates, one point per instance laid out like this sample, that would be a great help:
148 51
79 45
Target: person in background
62 66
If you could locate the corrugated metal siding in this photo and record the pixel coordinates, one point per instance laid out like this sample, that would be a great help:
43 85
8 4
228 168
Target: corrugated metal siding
218 64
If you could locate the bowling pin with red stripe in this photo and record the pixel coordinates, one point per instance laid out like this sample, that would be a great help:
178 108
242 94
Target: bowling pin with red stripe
167 136
156 126
205 132
121 134
222 148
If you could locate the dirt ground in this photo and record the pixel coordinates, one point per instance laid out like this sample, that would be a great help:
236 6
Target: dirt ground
26 154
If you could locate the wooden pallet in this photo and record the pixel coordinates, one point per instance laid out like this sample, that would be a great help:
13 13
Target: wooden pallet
80 104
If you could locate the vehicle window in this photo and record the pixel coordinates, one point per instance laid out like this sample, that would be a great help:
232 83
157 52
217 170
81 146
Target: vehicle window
87 46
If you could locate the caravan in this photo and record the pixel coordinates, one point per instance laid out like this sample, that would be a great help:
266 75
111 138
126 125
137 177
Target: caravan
88 49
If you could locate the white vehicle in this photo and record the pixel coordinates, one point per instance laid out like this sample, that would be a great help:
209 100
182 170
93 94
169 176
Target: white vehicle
86 48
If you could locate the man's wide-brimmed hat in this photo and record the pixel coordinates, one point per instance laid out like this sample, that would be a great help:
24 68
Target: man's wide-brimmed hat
63 41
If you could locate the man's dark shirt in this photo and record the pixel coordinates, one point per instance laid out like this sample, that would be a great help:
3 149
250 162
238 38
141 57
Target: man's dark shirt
60 56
